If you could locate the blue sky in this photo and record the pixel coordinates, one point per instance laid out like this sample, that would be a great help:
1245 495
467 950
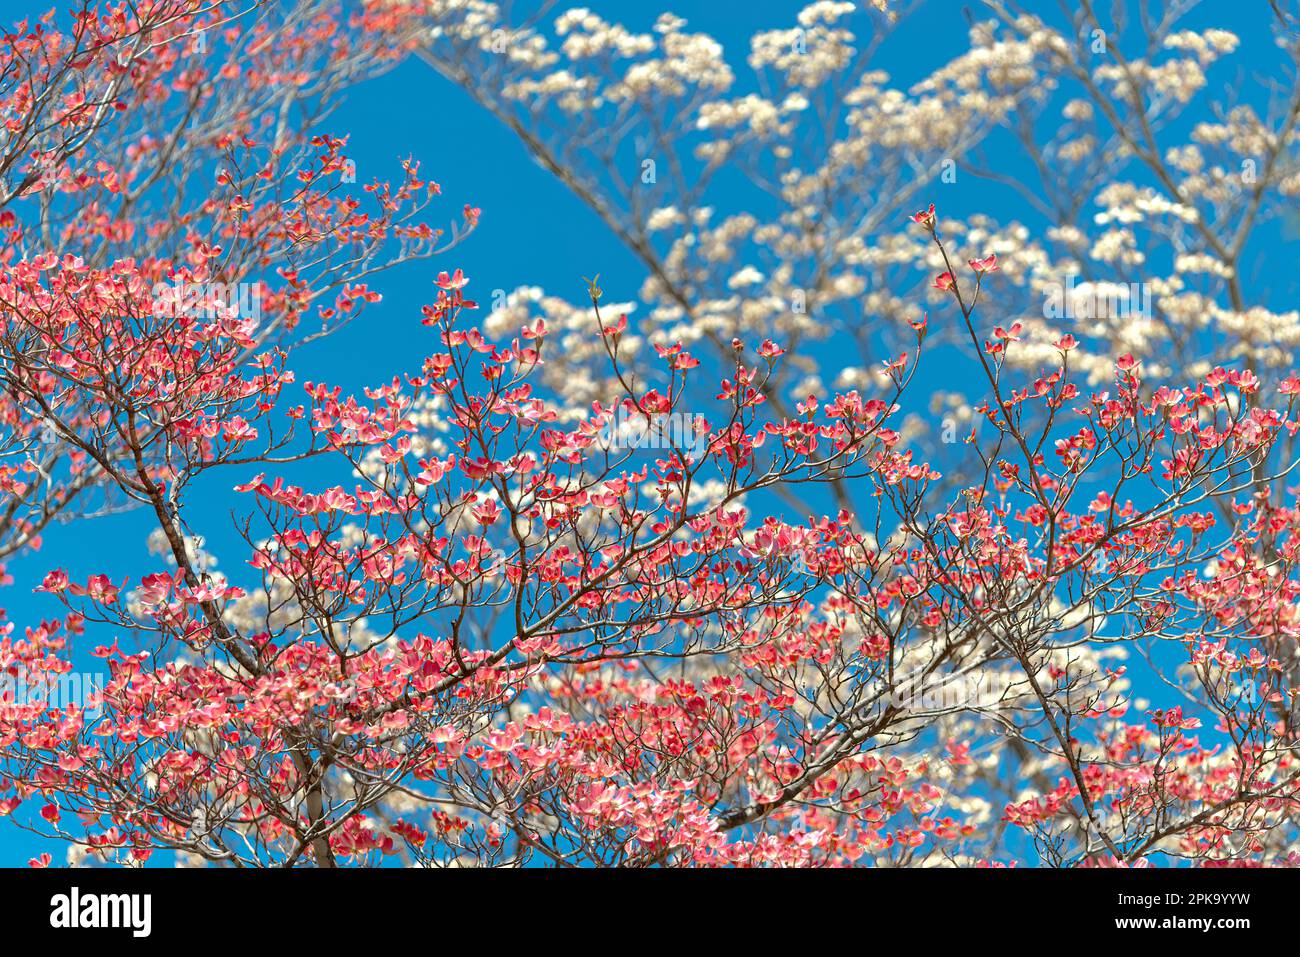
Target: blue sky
533 232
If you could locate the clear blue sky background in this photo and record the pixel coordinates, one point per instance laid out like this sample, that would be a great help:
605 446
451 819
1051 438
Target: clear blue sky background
533 232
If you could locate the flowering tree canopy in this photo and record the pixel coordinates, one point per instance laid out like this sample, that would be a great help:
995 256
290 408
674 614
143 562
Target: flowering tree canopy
572 589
